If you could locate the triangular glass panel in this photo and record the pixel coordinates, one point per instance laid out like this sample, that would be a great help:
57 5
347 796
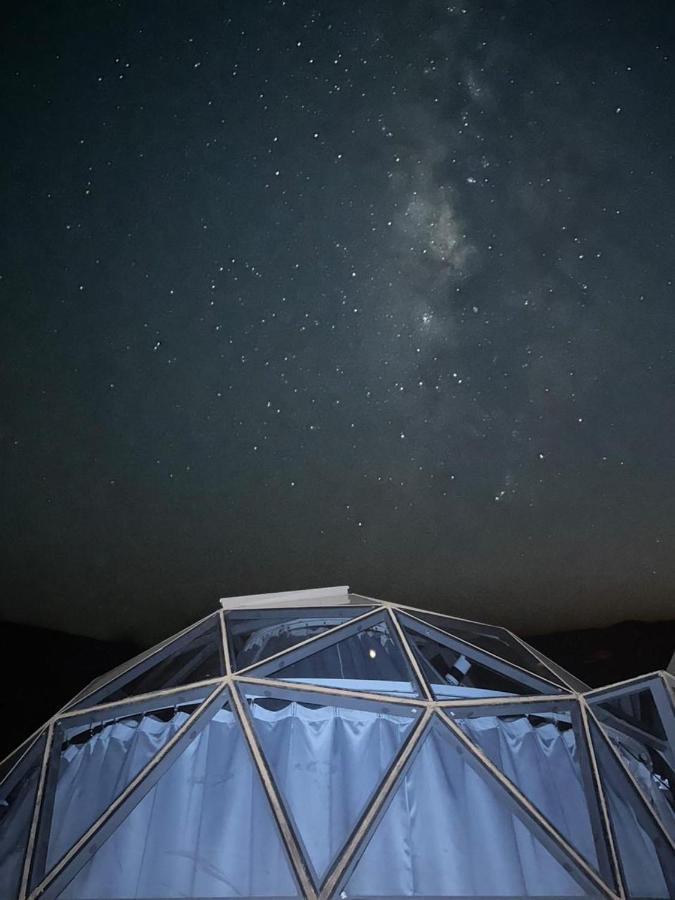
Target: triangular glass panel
455 673
94 764
369 659
12 759
255 634
17 803
449 832
564 676
648 757
196 655
205 829
647 859
135 662
494 640
540 752
327 762
634 708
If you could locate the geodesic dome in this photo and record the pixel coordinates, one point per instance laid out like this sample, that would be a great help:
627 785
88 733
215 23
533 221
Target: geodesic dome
323 744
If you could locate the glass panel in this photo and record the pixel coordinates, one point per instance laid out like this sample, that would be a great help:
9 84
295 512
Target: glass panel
17 802
493 639
205 829
256 634
453 674
190 659
635 708
327 762
564 675
448 832
539 753
370 660
648 862
648 760
11 760
96 764
669 681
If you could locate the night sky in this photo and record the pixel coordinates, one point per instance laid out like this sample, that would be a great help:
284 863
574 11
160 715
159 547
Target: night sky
298 294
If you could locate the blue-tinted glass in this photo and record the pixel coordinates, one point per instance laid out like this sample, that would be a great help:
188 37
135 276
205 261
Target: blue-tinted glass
370 660
454 674
493 639
648 758
96 764
17 801
647 860
10 761
256 634
539 753
327 762
447 832
636 709
204 830
187 660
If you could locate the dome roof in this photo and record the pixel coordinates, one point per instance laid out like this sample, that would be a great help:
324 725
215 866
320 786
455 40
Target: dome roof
325 744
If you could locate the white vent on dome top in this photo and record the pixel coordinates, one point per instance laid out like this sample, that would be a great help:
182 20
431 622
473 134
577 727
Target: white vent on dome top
328 596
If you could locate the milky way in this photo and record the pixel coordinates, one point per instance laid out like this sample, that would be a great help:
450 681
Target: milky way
302 294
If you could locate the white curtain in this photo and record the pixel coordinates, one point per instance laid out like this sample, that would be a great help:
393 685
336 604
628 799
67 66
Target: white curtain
97 769
328 762
205 830
642 868
16 814
447 833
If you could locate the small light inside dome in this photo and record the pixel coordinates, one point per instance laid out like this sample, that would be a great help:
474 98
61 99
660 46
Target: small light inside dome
372 653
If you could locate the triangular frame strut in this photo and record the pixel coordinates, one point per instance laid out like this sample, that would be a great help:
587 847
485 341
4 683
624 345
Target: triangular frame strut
213 693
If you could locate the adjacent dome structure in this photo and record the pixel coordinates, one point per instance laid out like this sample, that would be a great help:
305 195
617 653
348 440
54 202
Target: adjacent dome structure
323 744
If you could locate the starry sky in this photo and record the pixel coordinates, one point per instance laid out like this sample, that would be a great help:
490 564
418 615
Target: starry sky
296 294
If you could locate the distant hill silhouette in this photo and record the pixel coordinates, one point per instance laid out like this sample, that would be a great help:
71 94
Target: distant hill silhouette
42 669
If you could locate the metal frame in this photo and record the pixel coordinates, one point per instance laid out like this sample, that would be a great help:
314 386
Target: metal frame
142 703
557 845
341 868
570 705
259 678
320 693
331 637
565 677
656 684
142 663
110 676
662 747
70 864
664 846
225 645
18 770
27 765
427 691
298 648
556 677
632 685
13 760
301 867
483 657
590 773
663 832
284 816
665 706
